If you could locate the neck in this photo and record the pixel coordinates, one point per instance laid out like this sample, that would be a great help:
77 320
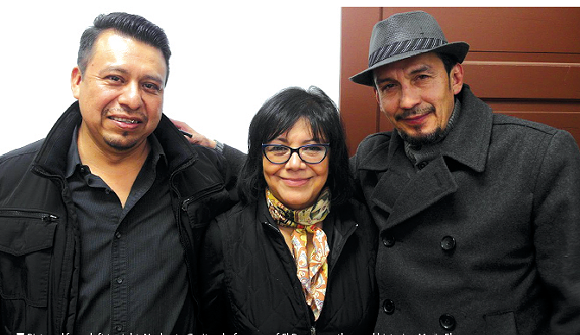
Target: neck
95 156
118 169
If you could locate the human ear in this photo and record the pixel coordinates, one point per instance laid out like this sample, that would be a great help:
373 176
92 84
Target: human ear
75 81
456 78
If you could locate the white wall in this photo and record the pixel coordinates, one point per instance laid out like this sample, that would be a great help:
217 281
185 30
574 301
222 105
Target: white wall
227 59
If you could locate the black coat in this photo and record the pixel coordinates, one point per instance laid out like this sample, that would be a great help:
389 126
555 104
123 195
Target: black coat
39 242
249 282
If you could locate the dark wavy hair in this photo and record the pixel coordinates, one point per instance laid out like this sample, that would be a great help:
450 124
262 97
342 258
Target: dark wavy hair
278 115
131 25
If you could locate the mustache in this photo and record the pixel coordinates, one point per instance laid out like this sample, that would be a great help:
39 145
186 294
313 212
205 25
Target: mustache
414 111
126 111
120 109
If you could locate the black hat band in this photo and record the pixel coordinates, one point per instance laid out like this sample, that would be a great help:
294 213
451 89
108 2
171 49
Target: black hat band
390 50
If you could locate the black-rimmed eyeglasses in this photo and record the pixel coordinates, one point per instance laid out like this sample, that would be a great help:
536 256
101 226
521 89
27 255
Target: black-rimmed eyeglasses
309 153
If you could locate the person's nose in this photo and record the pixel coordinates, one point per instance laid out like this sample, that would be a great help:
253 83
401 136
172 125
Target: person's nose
294 163
410 97
131 96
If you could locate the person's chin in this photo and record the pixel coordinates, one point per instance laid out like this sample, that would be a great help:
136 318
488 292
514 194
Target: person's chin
420 138
121 144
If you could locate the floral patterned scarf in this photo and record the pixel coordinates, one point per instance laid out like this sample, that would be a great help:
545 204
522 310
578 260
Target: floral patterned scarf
311 271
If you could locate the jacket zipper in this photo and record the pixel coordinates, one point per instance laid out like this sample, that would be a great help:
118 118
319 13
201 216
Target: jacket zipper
31 215
200 194
277 231
338 252
346 237
62 301
184 238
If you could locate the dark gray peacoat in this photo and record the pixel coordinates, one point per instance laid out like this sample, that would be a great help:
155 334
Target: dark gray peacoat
485 239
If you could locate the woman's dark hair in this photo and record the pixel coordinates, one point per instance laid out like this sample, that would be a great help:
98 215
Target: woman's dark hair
131 25
278 115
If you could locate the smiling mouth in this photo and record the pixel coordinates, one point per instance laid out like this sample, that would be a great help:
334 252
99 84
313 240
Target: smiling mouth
415 117
295 182
123 120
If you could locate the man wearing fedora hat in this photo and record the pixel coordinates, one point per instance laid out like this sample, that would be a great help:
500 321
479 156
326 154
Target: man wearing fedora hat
478 213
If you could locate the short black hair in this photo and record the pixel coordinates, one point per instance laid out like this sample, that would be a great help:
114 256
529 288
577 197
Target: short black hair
448 60
131 25
278 115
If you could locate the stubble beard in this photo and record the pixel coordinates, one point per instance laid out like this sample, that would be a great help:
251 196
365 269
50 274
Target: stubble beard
421 139
120 145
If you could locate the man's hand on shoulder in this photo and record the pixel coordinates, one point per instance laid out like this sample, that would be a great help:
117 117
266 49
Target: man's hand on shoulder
196 138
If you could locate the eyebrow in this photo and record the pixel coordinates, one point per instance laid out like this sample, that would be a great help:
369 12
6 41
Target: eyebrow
419 69
379 81
285 140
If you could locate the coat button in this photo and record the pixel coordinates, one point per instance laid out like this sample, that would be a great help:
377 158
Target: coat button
447 321
388 306
388 241
422 165
448 243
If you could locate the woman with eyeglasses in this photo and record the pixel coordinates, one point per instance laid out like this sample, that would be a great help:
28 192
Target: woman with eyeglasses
297 255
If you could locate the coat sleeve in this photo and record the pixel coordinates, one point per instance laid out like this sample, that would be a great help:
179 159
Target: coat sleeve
234 157
556 221
213 298
233 160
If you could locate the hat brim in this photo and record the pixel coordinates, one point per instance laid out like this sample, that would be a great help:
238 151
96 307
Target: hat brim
457 49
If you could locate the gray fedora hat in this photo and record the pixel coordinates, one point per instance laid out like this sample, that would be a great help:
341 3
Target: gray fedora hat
405 35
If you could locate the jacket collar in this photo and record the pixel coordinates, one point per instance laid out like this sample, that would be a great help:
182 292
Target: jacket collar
51 158
467 143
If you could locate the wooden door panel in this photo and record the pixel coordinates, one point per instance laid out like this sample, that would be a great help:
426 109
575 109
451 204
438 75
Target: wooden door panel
523 80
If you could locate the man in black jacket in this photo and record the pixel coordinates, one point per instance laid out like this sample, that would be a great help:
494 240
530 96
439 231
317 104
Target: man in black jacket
100 221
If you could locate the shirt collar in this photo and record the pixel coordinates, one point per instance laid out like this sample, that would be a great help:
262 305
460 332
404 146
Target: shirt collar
74 159
157 152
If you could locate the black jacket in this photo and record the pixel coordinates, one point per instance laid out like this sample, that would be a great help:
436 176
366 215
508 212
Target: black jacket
39 242
249 282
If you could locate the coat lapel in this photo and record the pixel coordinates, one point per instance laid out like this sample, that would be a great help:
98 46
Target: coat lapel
402 192
423 190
